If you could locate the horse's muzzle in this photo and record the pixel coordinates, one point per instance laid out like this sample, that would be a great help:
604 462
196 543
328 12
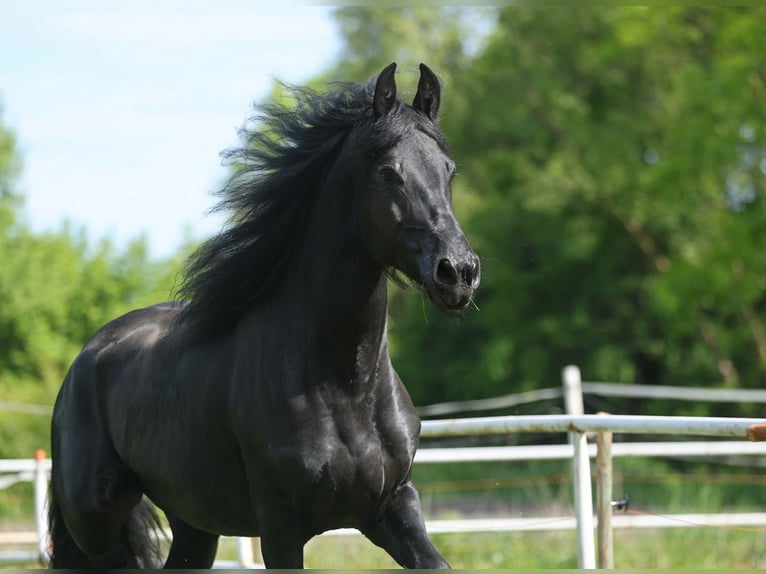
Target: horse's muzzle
454 281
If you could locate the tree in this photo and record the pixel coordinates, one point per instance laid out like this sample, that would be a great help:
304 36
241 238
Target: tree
10 166
374 36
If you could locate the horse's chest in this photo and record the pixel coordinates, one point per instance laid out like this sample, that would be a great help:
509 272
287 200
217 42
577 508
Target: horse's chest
347 480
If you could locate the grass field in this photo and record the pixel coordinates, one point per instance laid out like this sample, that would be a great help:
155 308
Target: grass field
633 548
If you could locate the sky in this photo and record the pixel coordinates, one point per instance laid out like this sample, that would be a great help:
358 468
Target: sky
121 108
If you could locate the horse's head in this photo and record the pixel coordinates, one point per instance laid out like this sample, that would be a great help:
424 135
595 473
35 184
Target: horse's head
405 194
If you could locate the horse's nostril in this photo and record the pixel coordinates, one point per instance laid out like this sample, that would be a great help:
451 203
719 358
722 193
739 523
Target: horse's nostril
446 275
470 273
467 273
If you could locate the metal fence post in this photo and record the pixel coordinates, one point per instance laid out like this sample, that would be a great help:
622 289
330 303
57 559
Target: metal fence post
41 500
604 498
583 494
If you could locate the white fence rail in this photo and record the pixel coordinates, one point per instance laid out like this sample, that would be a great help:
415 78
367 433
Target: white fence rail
624 390
742 428
578 450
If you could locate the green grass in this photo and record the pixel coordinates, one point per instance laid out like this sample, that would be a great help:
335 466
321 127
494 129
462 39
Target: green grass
17 504
633 548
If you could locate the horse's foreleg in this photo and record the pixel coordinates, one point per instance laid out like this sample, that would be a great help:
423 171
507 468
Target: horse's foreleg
402 532
281 540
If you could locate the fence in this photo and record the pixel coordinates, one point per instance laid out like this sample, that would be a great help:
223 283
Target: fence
37 471
625 390
576 424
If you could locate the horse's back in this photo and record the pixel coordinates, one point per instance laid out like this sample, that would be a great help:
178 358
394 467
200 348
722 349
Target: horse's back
119 345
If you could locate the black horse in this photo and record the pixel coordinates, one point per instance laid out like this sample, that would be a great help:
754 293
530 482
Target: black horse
266 404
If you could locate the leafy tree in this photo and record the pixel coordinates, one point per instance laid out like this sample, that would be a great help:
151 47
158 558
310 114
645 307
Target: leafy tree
10 166
373 36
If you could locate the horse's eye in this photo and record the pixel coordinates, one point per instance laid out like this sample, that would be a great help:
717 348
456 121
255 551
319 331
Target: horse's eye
388 174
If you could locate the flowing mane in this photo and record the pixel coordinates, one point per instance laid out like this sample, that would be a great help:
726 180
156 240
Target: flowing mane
279 170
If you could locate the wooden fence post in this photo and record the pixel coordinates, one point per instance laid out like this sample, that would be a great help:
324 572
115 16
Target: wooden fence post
604 498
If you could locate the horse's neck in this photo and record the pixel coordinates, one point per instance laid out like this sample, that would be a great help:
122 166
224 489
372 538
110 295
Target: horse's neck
349 322
338 293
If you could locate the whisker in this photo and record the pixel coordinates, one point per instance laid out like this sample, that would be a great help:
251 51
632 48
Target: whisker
423 310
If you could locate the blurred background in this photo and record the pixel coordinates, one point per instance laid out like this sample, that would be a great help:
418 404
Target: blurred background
612 176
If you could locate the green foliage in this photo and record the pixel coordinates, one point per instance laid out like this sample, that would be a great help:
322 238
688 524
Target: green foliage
10 163
377 35
55 294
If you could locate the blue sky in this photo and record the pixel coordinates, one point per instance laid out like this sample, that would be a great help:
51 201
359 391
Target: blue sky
121 108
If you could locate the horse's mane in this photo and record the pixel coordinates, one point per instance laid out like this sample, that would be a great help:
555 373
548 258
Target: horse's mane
286 153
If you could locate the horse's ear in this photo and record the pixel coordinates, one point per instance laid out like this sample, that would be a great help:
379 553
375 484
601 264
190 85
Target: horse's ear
385 91
429 93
